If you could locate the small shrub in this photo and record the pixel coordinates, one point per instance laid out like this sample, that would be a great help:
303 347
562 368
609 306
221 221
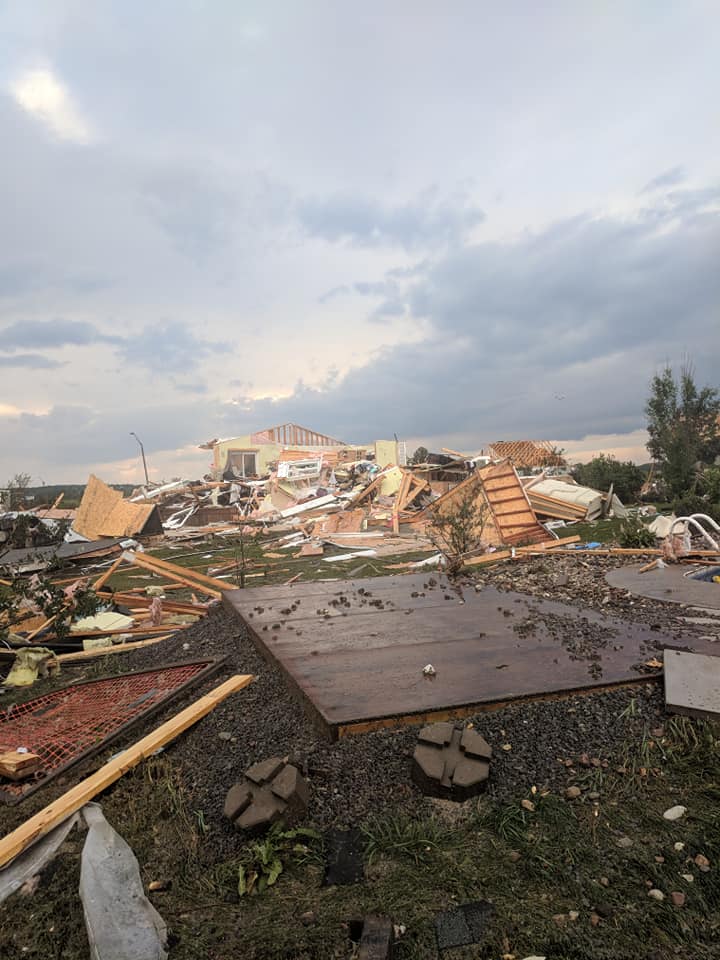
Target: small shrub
456 527
634 533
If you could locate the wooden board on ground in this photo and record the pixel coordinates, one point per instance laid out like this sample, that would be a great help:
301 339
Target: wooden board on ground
17 766
355 650
57 811
692 684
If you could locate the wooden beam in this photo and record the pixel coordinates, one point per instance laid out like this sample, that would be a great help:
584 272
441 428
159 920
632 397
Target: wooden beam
43 626
550 545
196 585
102 580
368 490
420 485
487 558
130 631
105 651
614 552
405 487
179 571
169 606
57 811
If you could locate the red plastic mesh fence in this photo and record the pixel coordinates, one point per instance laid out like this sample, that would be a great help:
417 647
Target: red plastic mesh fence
63 725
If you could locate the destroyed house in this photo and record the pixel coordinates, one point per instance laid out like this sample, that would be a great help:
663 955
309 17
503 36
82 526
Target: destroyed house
253 454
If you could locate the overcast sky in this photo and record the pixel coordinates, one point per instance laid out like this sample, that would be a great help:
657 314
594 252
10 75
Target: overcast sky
455 222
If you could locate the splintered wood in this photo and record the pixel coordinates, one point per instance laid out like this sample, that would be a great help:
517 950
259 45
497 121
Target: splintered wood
497 490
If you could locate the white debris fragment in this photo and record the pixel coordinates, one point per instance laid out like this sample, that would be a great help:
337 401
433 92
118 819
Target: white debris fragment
429 670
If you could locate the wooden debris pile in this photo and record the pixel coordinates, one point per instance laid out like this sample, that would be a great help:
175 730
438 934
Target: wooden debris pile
82 625
560 498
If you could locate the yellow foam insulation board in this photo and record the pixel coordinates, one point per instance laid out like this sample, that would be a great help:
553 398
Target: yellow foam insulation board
391 481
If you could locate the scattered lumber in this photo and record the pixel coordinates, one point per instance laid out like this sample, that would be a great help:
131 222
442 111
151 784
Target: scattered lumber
141 561
172 570
543 547
15 765
57 811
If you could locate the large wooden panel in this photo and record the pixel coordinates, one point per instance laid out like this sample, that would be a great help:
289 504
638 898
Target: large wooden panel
355 662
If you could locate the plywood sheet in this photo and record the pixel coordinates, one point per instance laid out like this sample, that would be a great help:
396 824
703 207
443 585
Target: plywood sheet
104 513
355 650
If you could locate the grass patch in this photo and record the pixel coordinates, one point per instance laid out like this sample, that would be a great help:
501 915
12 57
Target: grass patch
259 569
399 835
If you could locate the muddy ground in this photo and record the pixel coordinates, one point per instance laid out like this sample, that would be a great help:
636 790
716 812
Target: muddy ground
536 866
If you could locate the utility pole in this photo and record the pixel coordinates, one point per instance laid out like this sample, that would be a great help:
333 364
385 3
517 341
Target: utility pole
142 451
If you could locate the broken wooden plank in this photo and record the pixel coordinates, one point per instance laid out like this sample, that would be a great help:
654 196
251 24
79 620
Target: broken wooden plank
420 486
180 578
128 631
178 571
488 558
43 626
57 811
114 648
15 765
370 488
102 580
405 487
549 546
315 504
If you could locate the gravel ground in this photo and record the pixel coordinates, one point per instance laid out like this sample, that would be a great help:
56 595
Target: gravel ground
363 774
580 580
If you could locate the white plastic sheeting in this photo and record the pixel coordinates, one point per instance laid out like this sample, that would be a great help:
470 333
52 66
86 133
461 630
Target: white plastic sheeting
121 922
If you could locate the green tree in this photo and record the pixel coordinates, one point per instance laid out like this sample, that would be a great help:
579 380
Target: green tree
17 487
682 422
624 475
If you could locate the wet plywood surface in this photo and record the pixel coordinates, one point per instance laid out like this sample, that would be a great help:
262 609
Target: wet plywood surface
355 650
